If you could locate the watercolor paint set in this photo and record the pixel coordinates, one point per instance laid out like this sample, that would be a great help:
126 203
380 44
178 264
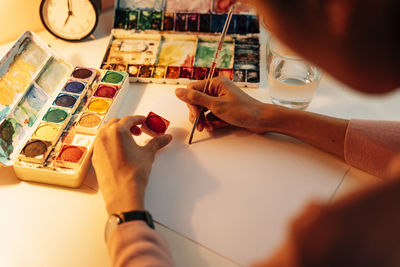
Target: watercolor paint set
51 111
145 45
184 16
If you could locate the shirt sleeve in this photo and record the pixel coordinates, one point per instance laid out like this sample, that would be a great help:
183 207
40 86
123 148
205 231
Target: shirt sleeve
136 244
372 145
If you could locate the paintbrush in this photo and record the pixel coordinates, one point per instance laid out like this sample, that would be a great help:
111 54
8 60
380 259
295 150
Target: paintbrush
210 75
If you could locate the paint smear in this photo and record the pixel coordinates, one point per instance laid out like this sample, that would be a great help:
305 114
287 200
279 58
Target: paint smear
206 51
141 4
132 51
202 6
177 53
20 72
53 75
11 132
28 109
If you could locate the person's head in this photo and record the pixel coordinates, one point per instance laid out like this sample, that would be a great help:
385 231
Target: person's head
356 41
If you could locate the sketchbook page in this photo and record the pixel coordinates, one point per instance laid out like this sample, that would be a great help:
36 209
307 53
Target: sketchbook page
234 192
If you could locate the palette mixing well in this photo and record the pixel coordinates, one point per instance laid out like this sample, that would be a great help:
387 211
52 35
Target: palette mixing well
50 117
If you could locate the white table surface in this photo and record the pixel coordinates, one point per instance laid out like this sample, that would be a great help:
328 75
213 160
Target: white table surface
51 226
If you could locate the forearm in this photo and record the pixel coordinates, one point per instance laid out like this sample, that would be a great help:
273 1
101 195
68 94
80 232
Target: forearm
135 244
323 132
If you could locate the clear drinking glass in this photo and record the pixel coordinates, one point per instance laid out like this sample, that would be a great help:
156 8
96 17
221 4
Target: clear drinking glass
292 81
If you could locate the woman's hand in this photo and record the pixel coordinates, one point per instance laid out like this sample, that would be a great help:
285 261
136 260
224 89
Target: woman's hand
123 167
228 104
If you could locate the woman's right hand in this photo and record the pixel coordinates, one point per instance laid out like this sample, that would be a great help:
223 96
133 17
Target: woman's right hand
228 105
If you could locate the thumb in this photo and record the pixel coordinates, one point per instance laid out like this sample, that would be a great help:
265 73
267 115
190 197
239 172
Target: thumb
159 142
194 97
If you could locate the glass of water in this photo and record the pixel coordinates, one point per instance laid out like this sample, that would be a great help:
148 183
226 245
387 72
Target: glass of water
292 81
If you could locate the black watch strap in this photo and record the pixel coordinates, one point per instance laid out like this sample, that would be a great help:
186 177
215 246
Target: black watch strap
137 215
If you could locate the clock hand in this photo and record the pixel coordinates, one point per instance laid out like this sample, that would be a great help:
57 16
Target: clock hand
69 11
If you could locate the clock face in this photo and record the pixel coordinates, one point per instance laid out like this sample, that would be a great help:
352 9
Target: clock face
69 19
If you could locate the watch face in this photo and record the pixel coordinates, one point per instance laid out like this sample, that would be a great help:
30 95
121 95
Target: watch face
69 19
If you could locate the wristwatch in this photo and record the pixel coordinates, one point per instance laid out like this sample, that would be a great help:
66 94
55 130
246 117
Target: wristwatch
135 215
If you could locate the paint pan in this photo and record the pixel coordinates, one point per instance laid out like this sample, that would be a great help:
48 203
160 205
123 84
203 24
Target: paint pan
177 50
159 72
113 77
106 91
218 22
66 101
133 70
228 73
186 73
57 115
35 151
216 72
172 72
107 66
253 76
146 71
156 19
155 125
89 123
180 22
120 67
98 105
205 23
200 73
239 76
53 75
74 87
132 20
169 21
144 20
70 156
241 24
48 132
193 22
82 140
206 51
254 25
121 18
83 73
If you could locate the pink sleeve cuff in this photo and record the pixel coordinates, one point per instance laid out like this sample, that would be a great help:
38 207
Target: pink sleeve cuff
136 244
372 145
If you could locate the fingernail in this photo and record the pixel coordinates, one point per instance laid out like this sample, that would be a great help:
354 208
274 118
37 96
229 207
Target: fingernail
179 92
169 137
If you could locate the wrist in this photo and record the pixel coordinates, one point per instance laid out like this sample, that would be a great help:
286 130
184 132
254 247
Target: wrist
125 201
270 118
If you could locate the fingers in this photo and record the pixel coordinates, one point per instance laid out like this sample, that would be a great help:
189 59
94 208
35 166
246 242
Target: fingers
130 121
194 97
159 142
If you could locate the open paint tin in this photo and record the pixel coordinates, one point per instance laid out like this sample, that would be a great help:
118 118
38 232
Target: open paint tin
171 41
50 112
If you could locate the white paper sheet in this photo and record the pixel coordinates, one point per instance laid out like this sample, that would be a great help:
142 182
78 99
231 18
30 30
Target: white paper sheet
234 192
